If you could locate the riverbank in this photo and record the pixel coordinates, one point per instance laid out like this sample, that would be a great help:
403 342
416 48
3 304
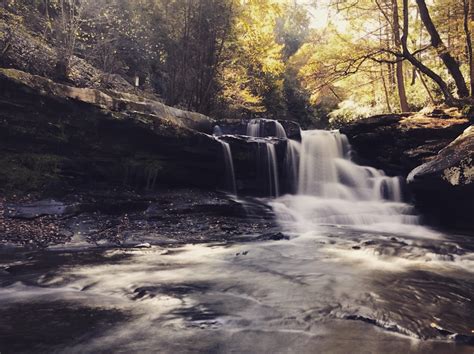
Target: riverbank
127 218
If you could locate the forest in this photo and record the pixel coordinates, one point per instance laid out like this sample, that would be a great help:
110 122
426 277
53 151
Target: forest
237 176
321 64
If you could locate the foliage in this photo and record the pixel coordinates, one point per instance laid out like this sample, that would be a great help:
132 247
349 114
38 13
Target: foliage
246 58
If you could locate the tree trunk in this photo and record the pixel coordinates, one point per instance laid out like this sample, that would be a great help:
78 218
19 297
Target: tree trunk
468 13
426 88
385 89
471 11
451 64
399 65
423 68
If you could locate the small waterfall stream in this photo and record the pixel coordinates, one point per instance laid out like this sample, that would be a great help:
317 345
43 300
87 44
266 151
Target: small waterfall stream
265 127
273 179
229 167
292 162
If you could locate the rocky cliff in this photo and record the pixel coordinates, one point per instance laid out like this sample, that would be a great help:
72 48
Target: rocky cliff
54 136
397 143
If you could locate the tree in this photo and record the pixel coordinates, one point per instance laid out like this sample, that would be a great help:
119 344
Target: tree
443 52
468 20
66 29
254 63
399 63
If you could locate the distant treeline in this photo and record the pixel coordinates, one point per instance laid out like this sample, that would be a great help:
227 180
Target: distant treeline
247 58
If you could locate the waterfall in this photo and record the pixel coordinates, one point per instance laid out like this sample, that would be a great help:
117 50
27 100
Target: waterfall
217 131
265 127
326 171
331 189
293 151
231 185
229 167
261 128
272 167
326 186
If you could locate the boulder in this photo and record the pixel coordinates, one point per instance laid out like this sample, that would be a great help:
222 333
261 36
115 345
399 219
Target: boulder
444 187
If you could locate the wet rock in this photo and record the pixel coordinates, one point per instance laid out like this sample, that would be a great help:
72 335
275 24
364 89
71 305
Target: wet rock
170 216
41 208
444 186
115 206
250 158
143 245
292 129
278 236
232 127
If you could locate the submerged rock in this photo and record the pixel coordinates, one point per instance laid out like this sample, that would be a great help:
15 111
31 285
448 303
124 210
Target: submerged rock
444 186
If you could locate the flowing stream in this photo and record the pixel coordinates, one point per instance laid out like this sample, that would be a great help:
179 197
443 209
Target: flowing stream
358 274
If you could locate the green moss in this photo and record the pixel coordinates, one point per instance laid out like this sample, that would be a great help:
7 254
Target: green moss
468 111
28 172
143 171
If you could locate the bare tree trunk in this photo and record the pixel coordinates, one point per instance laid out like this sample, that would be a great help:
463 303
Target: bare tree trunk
399 64
451 64
423 68
385 89
422 79
468 12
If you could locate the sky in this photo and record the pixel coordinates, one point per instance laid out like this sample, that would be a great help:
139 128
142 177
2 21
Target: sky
321 14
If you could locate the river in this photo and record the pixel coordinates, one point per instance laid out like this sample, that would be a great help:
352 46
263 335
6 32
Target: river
357 273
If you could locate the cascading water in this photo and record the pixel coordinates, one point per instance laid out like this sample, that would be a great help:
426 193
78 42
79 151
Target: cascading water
265 127
272 167
231 184
331 189
217 131
260 128
326 186
293 151
229 167
326 171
